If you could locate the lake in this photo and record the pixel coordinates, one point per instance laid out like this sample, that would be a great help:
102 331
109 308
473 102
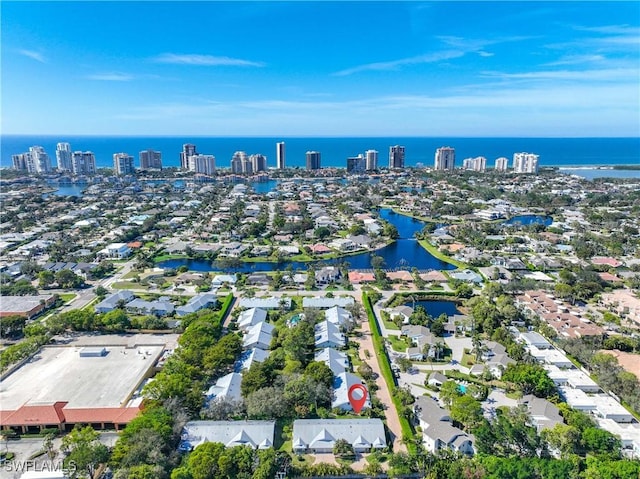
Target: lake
405 253
525 220
437 307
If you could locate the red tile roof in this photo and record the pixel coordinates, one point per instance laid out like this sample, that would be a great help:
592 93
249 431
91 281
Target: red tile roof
57 413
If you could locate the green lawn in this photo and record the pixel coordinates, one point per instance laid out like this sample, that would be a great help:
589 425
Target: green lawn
399 344
441 256
66 297
127 285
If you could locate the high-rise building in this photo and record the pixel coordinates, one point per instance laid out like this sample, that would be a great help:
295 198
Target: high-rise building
479 163
203 164
22 162
236 162
39 159
445 159
123 164
313 160
83 163
525 163
280 155
187 150
371 159
356 164
63 156
150 160
396 156
258 162
502 164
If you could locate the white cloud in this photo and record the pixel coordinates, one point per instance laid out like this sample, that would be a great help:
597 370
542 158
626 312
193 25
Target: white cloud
111 77
34 55
204 60
395 64
576 60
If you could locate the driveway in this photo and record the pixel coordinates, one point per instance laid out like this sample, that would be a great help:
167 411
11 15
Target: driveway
457 346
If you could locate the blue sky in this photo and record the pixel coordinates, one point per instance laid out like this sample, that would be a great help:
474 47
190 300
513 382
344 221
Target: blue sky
321 68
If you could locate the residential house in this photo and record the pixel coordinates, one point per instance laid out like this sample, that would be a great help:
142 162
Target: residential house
325 303
253 355
544 414
337 361
250 317
327 275
198 302
266 303
115 251
258 336
339 316
256 434
328 335
226 387
341 384
437 431
320 435
160 307
113 301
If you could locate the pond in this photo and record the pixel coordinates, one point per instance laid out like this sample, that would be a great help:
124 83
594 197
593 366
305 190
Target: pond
67 189
435 308
524 220
404 253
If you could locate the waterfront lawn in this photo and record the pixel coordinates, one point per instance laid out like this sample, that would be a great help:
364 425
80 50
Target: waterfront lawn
440 255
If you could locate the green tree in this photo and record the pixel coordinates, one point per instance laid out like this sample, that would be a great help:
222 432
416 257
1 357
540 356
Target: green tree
84 450
68 279
45 278
467 411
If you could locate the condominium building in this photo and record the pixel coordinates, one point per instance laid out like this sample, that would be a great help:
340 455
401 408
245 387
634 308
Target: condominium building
188 150
22 162
63 156
371 159
237 161
525 163
150 160
280 155
396 156
356 164
445 159
502 164
478 163
35 160
123 164
83 163
203 164
313 160
258 162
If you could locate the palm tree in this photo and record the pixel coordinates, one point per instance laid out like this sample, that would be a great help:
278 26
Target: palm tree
438 348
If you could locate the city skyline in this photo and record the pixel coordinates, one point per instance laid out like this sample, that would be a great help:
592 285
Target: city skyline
322 68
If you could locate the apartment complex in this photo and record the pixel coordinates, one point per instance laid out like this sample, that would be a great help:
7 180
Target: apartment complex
63 156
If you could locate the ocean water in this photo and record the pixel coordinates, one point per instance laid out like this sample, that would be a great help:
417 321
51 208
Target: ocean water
558 152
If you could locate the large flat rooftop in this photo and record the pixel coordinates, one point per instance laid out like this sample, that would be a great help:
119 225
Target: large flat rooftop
61 374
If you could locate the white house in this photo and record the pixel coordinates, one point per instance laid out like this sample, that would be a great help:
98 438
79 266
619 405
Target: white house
437 431
256 434
341 384
115 251
251 317
258 336
226 387
320 435
339 316
328 335
337 361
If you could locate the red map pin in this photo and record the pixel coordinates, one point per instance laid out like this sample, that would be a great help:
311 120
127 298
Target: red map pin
357 397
